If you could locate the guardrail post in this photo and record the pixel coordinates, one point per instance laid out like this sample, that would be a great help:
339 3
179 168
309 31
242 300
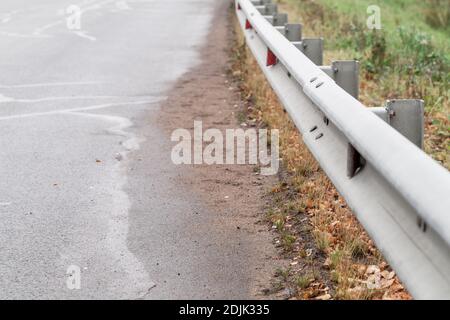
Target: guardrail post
280 19
312 48
346 74
293 31
407 117
271 9
260 2
268 9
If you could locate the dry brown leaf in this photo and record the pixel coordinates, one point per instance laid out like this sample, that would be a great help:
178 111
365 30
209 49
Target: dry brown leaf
372 269
323 297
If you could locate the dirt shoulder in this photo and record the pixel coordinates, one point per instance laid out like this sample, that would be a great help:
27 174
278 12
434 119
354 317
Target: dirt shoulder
234 194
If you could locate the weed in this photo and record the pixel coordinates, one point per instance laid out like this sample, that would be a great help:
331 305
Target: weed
283 273
287 241
358 249
322 240
303 281
336 258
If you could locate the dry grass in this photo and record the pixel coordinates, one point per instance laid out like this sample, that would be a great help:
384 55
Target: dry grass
306 199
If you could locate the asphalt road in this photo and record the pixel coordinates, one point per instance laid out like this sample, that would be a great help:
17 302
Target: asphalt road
70 105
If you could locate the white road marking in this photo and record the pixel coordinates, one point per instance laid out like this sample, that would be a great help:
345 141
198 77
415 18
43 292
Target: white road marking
7 16
83 34
49 84
38 31
20 35
74 110
4 99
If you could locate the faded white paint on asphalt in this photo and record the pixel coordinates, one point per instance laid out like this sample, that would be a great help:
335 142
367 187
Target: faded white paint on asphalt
68 105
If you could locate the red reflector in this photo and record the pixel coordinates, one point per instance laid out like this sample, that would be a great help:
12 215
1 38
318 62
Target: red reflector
271 58
248 25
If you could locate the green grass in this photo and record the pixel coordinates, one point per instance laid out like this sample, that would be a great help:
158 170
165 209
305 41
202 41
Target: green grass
409 14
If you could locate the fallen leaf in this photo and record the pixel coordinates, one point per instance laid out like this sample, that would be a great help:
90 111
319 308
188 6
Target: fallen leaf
323 297
372 269
373 282
384 284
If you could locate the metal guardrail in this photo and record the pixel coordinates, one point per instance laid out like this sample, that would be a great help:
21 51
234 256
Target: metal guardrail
373 156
